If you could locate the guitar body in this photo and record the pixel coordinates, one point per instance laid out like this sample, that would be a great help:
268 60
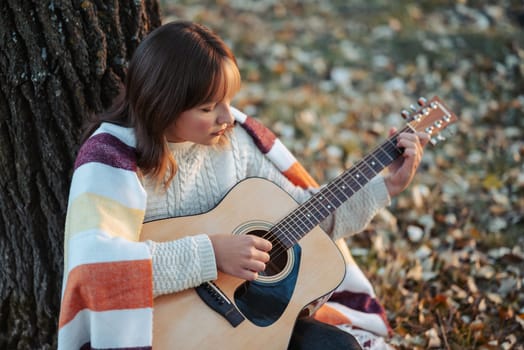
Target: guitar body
309 270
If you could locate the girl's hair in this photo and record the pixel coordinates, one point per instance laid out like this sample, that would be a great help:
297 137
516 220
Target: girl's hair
177 67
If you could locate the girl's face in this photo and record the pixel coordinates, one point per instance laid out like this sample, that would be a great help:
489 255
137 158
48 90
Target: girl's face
204 124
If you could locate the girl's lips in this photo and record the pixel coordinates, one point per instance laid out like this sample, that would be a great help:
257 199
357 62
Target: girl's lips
219 133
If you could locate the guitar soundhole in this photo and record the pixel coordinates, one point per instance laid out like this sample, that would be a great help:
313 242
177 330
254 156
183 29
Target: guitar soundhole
278 260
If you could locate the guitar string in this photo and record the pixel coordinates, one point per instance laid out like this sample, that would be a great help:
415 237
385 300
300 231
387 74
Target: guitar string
285 228
332 197
329 196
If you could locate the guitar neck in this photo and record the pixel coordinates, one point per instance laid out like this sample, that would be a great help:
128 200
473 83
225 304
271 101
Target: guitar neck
431 118
308 215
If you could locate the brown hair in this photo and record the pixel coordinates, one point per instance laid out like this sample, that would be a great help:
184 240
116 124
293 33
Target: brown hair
178 66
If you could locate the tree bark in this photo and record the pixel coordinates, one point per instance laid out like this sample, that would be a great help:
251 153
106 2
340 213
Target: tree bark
60 61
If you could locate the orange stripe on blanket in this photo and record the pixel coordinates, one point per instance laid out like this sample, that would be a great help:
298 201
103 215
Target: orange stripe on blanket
299 176
114 285
331 316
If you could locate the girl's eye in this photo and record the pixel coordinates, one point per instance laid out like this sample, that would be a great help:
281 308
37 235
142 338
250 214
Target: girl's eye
207 109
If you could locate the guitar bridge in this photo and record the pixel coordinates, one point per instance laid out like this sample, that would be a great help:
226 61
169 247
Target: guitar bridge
218 301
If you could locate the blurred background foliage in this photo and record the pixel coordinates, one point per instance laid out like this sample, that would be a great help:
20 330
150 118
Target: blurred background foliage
331 77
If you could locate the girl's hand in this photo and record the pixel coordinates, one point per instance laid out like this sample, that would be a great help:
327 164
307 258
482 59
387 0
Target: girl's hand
403 169
241 256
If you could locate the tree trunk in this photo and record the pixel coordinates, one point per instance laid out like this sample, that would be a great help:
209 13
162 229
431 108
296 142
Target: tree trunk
59 62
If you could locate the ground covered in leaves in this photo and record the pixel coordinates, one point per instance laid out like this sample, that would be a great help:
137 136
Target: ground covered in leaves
331 77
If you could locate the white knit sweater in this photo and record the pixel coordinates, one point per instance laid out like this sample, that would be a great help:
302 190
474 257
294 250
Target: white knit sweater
205 175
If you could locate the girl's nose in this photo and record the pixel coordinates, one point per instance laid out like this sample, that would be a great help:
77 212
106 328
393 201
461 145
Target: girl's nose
224 114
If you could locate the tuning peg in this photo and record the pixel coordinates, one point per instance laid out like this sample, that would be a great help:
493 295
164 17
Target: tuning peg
405 114
413 107
438 138
422 101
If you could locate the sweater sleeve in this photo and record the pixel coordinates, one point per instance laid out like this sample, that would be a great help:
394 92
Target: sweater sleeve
182 264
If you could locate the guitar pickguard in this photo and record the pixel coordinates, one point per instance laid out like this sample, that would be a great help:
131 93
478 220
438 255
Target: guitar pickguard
264 302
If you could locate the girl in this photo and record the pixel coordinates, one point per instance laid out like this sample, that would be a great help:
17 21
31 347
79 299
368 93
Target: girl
170 146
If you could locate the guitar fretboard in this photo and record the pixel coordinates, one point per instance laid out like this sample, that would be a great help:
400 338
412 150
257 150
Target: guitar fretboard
303 219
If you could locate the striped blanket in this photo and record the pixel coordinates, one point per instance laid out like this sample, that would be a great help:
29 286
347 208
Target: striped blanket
107 300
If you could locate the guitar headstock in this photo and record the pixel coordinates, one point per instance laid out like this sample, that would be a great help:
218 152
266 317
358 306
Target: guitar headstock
430 117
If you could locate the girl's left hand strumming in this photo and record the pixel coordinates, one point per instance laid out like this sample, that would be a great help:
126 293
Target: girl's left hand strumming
403 169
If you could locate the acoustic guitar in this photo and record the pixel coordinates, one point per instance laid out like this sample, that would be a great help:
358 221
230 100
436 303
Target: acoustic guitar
305 264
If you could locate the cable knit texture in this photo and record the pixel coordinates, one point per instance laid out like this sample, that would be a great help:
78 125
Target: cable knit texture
171 259
205 175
